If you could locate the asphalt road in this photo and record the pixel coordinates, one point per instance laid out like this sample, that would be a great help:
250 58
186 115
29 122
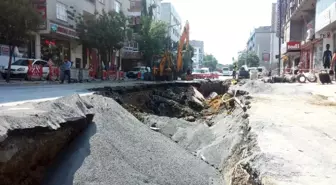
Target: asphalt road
17 93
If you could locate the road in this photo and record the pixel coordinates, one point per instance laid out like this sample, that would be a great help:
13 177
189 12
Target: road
18 93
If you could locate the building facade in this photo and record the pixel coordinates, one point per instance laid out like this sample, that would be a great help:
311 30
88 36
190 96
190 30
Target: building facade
274 44
172 18
198 52
259 42
57 38
301 47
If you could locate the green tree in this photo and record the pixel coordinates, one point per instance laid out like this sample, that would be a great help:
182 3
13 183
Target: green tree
19 19
251 59
151 38
107 32
210 61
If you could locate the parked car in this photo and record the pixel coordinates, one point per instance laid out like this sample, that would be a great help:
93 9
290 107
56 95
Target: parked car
134 72
243 73
227 72
19 68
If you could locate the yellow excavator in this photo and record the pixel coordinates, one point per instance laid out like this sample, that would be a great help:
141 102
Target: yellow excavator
170 70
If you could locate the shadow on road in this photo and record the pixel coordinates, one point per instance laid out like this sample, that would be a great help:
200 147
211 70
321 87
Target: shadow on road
70 159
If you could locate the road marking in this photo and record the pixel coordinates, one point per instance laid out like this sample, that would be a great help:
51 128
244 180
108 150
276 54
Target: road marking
10 104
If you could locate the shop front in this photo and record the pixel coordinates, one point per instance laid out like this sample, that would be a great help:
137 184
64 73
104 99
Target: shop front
57 44
291 57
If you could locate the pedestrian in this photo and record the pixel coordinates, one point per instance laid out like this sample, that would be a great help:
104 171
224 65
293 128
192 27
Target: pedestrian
234 72
66 70
333 65
327 56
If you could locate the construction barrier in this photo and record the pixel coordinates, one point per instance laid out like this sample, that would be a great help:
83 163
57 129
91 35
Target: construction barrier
35 72
113 75
54 73
86 76
105 75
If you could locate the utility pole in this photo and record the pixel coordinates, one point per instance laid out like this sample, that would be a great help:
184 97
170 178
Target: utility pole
280 34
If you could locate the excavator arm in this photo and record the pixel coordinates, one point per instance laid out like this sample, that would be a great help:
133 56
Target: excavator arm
184 39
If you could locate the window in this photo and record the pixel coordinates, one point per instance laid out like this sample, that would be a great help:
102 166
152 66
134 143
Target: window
102 1
61 12
117 6
21 62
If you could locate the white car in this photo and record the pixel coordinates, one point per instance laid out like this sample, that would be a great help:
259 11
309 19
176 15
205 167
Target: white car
227 72
19 68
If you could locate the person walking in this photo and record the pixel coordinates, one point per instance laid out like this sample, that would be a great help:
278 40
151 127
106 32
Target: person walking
66 70
234 72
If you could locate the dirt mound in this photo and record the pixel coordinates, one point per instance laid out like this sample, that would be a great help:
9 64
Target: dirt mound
255 86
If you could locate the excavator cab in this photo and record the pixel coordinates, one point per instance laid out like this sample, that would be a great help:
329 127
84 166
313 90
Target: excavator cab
163 67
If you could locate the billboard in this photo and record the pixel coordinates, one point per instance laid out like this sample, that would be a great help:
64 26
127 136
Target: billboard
266 57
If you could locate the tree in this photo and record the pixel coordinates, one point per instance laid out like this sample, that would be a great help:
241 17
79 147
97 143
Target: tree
151 38
210 61
107 32
251 59
19 19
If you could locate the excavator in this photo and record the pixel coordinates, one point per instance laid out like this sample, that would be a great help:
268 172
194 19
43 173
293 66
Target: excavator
170 70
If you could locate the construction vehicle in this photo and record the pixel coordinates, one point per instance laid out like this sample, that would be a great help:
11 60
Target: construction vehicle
168 69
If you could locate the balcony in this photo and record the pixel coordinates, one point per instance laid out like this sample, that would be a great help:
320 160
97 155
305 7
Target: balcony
301 8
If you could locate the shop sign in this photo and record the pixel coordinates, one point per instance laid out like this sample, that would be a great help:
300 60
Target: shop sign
293 46
63 30
41 8
131 55
324 35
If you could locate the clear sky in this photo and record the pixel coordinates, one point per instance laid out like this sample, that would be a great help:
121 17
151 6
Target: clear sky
223 25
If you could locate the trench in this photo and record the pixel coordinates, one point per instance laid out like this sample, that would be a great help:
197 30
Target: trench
180 112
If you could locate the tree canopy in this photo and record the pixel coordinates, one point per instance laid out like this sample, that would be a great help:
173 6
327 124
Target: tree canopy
151 38
19 19
210 61
106 32
251 59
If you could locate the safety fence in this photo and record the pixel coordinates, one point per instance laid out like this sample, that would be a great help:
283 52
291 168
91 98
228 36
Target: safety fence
53 73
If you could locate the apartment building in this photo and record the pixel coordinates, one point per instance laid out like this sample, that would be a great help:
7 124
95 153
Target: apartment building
173 19
198 52
57 37
274 44
299 41
259 42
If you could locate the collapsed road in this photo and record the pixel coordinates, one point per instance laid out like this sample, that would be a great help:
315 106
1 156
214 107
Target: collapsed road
173 133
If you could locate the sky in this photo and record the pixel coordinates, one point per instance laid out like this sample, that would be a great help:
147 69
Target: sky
223 25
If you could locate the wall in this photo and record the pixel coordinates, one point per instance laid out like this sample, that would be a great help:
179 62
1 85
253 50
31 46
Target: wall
262 45
170 16
297 31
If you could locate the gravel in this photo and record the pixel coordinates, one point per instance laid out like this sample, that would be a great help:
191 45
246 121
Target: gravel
118 149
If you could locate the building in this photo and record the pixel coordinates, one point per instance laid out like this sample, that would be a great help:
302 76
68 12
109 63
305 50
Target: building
198 52
325 24
259 42
57 38
274 44
172 18
300 44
